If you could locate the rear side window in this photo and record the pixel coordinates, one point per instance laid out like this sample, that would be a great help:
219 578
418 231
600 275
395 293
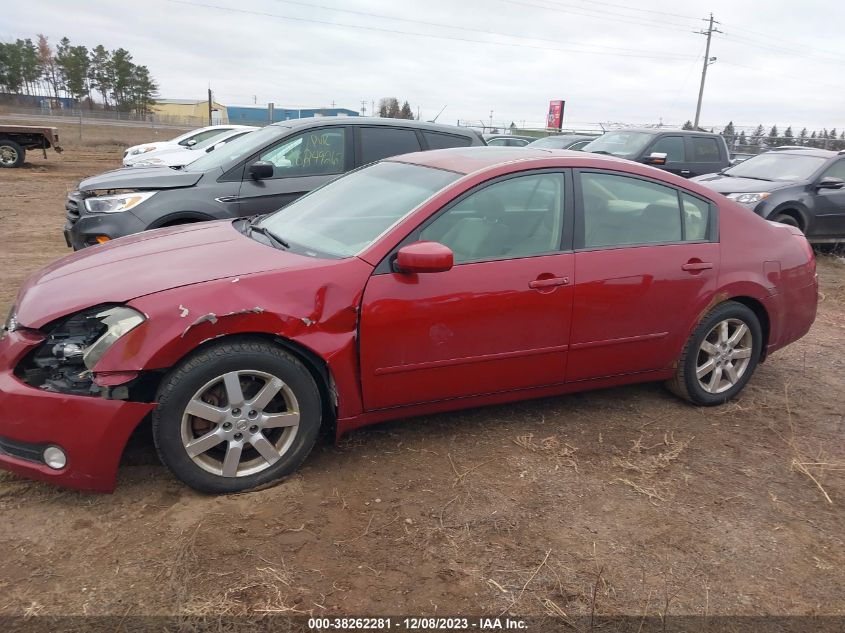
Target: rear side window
383 142
705 150
696 218
622 211
672 146
437 140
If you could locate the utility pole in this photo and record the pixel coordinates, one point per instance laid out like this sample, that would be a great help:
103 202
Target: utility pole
707 61
209 106
363 107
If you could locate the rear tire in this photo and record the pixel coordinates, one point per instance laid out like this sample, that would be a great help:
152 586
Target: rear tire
11 154
235 416
720 356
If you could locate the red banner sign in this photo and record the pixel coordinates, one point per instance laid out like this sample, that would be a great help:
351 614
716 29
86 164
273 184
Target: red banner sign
555 119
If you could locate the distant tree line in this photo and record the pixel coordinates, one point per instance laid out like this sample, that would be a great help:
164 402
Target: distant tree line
824 139
388 108
27 68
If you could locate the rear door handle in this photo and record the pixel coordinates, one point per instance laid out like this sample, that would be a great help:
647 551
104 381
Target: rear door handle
548 282
696 266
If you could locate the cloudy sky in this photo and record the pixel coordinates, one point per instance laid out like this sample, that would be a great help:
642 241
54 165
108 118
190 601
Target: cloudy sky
633 61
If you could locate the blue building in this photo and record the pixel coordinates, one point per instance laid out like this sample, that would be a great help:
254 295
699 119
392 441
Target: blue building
259 115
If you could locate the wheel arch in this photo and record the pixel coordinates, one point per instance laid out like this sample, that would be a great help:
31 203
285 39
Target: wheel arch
180 217
794 210
762 315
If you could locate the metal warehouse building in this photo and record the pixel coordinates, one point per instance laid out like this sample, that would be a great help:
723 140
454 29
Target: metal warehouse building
260 115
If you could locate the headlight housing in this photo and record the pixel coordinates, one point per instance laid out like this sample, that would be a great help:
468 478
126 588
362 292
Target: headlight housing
117 203
749 198
147 162
117 321
142 150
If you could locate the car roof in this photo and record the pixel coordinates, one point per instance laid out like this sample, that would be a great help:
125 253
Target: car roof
468 160
654 131
361 120
803 151
569 137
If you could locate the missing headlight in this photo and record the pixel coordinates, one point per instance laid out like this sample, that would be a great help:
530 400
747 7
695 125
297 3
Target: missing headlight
74 345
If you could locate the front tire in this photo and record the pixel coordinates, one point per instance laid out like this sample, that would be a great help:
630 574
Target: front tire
784 218
235 416
720 356
11 154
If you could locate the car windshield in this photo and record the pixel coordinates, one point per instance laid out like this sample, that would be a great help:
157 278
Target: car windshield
623 144
777 166
344 217
238 149
554 142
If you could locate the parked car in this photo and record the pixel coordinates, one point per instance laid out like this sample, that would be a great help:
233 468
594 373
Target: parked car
563 141
257 173
802 187
16 139
507 140
428 282
683 152
183 140
180 156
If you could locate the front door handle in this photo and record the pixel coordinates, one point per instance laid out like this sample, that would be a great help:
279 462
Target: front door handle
548 282
694 266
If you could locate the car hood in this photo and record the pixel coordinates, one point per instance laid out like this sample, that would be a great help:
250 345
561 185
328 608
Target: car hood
171 158
141 178
729 184
143 264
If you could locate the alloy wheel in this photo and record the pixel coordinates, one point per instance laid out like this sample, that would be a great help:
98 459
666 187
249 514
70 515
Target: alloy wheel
240 423
724 355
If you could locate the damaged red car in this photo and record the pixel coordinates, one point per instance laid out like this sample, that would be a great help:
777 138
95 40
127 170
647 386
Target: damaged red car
423 283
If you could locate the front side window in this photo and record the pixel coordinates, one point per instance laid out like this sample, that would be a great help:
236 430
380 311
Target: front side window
314 153
672 146
705 150
837 170
622 211
345 216
516 217
384 142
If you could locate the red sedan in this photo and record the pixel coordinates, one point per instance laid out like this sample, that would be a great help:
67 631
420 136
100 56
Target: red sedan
427 282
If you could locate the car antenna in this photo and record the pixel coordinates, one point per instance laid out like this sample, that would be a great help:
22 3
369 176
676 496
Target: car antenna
434 120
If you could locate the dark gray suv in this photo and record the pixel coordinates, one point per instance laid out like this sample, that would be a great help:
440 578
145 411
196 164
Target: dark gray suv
686 153
260 172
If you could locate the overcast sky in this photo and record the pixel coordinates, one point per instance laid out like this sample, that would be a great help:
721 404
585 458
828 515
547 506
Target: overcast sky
779 62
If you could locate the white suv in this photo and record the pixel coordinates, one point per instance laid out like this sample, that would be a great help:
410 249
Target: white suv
188 139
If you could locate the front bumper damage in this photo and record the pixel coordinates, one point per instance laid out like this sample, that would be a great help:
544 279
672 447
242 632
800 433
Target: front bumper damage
92 431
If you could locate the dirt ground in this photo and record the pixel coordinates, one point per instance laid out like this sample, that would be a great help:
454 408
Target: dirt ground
623 501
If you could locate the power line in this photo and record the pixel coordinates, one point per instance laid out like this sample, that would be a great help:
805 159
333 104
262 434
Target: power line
630 8
416 33
463 28
635 20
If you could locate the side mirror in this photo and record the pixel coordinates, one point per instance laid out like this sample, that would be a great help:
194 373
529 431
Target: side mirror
830 182
261 169
191 143
424 257
656 158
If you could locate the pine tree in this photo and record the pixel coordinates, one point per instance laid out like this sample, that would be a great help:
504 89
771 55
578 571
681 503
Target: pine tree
688 125
788 133
757 136
773 136
47 65
802 136
729 133
406 112
100 72
73 64
742 139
